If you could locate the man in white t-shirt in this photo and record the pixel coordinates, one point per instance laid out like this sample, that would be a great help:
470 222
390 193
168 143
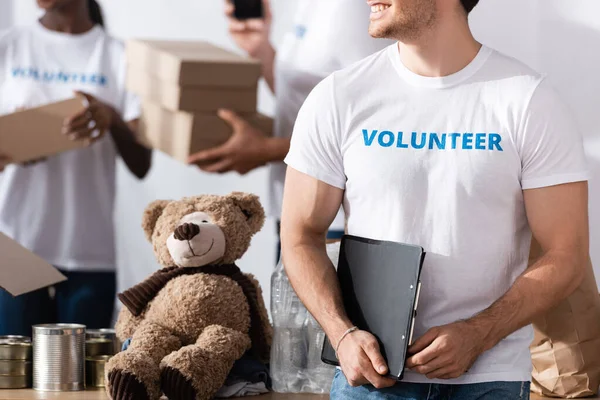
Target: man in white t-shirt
325 36
440 142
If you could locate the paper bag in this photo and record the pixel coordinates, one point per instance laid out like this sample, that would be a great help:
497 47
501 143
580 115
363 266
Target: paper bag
566 349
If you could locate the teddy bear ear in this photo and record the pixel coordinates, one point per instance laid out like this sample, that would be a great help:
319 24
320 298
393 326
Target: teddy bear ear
251 208
151 215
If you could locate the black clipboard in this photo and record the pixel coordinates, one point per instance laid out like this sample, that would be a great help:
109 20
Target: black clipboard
380 283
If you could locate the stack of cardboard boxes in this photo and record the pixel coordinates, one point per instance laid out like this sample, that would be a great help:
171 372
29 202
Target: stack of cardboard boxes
182 86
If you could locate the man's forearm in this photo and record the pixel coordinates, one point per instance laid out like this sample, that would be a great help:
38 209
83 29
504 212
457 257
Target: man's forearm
542 286
314 279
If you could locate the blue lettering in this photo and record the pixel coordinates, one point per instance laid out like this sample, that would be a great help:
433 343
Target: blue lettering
390 135
441 143
103 80
400 144
480 141
413 140
17 72
495 140
33 73
48 76
467 142
454 137
369 140
62 77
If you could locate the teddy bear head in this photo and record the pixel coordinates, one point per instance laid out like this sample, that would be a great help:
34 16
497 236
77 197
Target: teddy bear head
203 230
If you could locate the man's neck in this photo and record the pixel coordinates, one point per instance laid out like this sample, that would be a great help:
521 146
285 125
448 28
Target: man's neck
445 49
73 18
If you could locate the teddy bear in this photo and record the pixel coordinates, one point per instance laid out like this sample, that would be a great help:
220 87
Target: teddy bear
191 320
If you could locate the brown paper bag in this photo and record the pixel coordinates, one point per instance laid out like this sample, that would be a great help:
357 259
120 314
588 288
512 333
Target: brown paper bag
566 349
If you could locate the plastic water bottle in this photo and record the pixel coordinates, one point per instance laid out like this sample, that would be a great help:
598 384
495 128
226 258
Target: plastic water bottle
288 352
296 365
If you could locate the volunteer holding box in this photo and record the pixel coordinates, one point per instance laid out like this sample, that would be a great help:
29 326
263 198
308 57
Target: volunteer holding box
326 36
61 208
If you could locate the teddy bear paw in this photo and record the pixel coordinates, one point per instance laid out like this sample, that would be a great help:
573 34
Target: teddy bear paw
176 386
132 376
125 386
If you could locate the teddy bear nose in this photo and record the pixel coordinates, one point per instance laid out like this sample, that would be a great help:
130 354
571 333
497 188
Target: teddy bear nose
186 231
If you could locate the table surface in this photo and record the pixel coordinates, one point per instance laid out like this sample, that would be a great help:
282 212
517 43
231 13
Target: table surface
28 394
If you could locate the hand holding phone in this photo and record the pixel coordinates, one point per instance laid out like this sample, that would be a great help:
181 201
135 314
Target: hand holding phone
250 25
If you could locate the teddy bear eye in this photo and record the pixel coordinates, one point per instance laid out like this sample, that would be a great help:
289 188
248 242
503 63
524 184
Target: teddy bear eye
205 222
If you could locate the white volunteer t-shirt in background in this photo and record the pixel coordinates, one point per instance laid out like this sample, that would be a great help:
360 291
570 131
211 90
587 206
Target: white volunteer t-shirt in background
442 163
326 36
62 208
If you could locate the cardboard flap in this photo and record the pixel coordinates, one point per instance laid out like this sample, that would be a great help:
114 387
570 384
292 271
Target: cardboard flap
37 132
22 271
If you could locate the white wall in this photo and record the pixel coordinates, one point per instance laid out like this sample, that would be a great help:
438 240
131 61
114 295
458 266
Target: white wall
553 36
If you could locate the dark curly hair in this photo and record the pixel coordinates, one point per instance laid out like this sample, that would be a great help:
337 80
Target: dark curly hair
469 5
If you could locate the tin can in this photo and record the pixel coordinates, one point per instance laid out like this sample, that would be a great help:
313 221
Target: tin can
109 334
15 367
99 347
58 357
15 351
94 371
15 382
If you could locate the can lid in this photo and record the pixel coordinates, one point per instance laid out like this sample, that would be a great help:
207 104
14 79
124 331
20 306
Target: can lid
97 359
58 329
100 333
10 339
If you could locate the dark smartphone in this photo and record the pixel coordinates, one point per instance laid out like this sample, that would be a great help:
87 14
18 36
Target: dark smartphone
246 9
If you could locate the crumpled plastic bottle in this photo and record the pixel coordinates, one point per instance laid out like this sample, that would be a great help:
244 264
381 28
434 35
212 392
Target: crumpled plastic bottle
296 365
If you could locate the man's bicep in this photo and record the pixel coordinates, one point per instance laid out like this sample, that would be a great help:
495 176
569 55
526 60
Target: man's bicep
309 205
558 217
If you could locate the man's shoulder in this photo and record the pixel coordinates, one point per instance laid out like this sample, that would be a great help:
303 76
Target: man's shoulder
9 36
508 71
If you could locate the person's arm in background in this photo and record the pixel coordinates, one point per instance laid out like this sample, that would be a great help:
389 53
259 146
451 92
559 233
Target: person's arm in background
101 117
252 36
249 148
556 202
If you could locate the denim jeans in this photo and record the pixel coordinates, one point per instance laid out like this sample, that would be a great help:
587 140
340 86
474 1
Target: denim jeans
341 390
85 298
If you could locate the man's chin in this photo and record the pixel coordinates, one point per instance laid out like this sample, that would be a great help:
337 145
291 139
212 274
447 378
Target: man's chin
379 31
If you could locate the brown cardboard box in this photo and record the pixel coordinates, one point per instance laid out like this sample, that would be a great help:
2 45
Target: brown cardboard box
191 98
180 134
22 271
36 132
193 64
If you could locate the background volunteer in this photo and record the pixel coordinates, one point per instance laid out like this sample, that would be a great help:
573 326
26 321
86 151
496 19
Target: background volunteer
440 142
61 208
326 36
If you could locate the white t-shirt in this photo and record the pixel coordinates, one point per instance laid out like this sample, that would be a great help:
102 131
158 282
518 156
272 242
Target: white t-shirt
326 36
62 208
442 163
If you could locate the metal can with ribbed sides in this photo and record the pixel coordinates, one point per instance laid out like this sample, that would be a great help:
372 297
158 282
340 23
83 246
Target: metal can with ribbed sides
59 357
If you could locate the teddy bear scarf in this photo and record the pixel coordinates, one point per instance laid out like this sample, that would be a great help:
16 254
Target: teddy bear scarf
137 298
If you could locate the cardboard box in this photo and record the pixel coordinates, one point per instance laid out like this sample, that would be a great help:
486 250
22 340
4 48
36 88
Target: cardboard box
37 132
180 134
22 271
193 64
191 98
